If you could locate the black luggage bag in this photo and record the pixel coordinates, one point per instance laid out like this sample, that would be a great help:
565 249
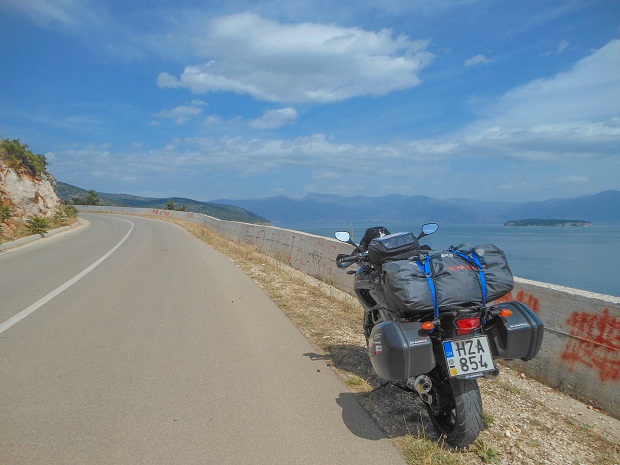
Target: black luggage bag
397 246
400 350
518 336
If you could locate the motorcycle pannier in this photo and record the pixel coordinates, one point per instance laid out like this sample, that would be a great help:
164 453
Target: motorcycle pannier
396 246
518 336
400 350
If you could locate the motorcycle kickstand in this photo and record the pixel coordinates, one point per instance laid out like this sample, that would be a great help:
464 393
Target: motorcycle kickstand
379 387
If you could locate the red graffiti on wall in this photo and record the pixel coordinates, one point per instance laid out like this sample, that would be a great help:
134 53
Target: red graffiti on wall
528 299
318 259
595 343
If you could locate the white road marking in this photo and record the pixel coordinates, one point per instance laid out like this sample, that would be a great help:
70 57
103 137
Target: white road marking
35 306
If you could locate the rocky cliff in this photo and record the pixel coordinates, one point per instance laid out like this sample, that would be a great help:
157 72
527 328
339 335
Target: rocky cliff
27 194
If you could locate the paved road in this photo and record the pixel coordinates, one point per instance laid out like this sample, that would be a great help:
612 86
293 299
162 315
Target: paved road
163 352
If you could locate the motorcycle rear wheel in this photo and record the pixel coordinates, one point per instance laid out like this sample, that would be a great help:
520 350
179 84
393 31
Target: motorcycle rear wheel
456 411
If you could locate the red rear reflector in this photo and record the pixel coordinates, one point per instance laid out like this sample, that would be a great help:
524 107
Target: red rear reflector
468 323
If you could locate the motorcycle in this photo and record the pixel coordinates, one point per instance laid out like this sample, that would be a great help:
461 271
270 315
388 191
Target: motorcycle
429 326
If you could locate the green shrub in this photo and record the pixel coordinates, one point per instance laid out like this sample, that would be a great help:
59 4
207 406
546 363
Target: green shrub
64 213
5 213
485 451
71 211
37 225
19 155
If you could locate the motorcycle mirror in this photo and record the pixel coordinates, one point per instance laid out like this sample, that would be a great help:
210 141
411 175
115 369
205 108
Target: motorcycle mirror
428 229
343 236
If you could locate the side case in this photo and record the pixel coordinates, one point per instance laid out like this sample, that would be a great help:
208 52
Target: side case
518 336
399 350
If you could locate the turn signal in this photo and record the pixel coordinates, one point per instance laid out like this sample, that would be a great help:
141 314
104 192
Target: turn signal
428 326
505 312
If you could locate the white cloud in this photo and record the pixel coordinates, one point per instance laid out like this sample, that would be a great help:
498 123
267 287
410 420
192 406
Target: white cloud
563 45
559 49
477 60
302 62
212 120
574 112
72 14
575 179
181 114
273 119
586 92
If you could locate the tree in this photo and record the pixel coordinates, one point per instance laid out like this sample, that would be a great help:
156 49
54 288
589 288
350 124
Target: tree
170 205
92 198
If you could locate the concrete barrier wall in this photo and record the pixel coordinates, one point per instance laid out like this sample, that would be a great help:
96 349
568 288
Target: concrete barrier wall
581 347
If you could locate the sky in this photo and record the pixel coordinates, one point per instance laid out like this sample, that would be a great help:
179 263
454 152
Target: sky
482 99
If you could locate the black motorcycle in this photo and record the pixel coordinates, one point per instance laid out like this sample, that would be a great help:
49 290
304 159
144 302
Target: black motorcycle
429 326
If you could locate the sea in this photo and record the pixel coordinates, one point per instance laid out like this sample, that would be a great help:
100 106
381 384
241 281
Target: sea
586 258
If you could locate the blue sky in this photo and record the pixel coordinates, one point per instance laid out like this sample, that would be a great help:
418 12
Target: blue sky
484 99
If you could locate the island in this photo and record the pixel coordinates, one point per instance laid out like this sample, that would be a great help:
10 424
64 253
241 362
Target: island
543 222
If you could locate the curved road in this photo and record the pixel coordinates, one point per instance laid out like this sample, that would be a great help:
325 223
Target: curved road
131 342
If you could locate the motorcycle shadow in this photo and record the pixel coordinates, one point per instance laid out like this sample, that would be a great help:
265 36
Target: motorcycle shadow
396 412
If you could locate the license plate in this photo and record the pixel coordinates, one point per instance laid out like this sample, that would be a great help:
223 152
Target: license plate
468 356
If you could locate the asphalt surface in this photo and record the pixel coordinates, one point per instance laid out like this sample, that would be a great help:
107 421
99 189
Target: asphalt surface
128 341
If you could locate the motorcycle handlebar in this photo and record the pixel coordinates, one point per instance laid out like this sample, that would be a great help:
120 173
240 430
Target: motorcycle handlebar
344 260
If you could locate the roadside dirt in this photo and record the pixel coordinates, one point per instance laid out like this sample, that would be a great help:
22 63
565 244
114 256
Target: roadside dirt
527 422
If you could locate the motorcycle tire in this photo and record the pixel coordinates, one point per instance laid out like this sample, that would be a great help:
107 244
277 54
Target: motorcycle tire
456 411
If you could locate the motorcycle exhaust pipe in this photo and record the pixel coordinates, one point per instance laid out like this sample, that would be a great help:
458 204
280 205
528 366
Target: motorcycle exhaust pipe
422 384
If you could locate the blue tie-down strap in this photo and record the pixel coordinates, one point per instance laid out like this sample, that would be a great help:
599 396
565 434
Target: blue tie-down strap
426 269
475 259
483 279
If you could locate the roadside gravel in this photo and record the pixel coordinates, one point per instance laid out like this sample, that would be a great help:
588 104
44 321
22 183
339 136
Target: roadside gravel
528 423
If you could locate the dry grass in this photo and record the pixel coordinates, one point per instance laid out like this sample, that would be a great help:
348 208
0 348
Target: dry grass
16 228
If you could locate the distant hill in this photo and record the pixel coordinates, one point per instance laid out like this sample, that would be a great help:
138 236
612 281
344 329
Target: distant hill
316 209
67 192
549 223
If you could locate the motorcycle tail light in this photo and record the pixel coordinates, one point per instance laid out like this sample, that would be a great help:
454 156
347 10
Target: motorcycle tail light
466 325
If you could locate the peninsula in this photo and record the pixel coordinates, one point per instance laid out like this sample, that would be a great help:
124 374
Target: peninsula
544 222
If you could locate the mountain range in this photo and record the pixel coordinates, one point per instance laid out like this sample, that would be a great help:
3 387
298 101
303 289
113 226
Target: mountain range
69 193
317 209
321 209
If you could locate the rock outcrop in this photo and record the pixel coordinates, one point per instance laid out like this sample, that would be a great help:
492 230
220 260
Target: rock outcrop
28 195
